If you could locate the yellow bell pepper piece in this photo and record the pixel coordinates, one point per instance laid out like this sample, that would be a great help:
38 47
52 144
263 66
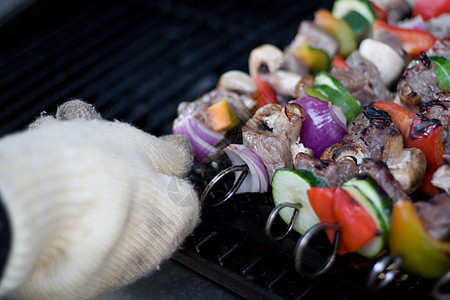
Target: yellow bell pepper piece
316 59
421 254
221 116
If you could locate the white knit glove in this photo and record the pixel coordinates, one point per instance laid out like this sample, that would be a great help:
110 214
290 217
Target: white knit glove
93 205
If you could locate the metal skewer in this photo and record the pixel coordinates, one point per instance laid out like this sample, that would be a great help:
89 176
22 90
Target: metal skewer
239 168
384 272
438 288
273 215
303 244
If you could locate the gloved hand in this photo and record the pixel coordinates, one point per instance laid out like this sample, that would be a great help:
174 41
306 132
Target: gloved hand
93 205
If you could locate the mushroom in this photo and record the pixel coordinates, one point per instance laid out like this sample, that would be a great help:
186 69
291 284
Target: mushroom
272 133
268 62
265 59
347 150
408 168
388 62
284 82
237 81
441 178
408 98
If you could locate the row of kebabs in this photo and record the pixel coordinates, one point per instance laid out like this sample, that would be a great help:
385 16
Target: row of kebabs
345 98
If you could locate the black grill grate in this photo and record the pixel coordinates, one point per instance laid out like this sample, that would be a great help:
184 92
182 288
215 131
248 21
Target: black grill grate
136 60
129 57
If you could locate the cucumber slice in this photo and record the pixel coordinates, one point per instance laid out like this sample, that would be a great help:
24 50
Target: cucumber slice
357 22
442 71
378 243
337 94
290 186
358 14
372 191
312 179
341 8
375 201
310 91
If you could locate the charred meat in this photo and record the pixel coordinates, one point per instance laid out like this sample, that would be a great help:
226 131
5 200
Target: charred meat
372 134
418 84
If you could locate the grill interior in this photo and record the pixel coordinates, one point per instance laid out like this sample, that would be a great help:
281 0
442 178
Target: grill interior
135 61
130 57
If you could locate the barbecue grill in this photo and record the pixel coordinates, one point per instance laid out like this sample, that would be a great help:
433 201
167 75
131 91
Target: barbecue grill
135 60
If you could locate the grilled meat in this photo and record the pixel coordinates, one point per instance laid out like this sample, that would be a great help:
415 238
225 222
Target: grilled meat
372 134
294 64
396 9
439 26
363 80
440 48
418 84
434 215
334 173
379 171
316 36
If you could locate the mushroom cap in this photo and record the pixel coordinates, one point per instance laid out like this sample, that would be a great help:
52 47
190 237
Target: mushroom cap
265 59
237 81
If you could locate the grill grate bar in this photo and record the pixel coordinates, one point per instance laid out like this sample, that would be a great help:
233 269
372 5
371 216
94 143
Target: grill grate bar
36 45
204 240
221 257
75 58
253 262
60 48
276 278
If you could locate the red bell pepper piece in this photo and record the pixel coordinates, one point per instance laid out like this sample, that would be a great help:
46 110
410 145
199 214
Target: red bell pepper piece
414 41
340 64
321 200
401 116
418 132
379 12
430 9
265 94
335 205
357 226
425 134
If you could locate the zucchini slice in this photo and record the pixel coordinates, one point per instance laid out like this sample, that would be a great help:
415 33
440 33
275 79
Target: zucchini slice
442 71
290 186
337 94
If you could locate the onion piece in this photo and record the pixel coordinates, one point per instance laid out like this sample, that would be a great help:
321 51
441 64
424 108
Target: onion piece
257 180
202 138
324 124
